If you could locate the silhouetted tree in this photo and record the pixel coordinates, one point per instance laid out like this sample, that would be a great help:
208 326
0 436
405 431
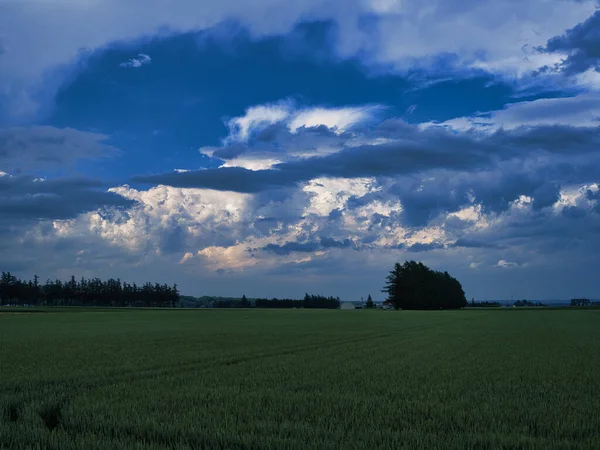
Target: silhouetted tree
370 303
245 303
8 288
413 285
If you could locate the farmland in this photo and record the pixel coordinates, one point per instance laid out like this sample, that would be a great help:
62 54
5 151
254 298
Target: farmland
301 379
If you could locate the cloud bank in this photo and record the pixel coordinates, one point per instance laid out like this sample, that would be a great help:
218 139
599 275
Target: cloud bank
39 39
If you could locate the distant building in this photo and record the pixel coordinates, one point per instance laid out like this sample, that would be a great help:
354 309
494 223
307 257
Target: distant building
346 305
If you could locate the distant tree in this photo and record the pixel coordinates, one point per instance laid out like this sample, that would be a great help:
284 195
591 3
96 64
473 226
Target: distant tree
35 291
174 296
370 303
413 285
245 303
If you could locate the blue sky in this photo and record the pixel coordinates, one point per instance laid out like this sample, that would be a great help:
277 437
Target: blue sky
275 149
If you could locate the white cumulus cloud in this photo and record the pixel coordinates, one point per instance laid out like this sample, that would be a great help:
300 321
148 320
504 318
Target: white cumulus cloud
582 110
141 60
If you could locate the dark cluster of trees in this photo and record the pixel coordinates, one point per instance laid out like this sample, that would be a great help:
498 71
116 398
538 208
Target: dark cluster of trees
413 285
583 302
206 301
86 292
309 301
522 303
279 303
474 304
224 302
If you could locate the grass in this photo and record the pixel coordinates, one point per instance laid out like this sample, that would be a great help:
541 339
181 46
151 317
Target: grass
300 379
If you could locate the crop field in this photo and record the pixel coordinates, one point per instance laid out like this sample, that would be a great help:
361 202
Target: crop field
299 379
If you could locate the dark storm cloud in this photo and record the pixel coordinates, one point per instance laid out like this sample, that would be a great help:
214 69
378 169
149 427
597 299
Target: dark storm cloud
307 247
265 225
431 172
419 247
236 179
591 195
581 43
494 189
413 152
422 201
305 136
278 142
172 240
24 149
356 202
317 266
546 195
23 198
39 250
575 231
474 243
335 214
26 200
230 151
552 139
395 158
573 212
290 247
447 191
327 242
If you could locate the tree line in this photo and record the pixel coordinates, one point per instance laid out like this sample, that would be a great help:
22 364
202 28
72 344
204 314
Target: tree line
526 303
484 304
309 301
85 292
411 285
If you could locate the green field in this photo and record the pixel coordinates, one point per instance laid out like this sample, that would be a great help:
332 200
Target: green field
302 379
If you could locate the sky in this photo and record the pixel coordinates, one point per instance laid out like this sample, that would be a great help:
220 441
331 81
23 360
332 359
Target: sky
272 148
